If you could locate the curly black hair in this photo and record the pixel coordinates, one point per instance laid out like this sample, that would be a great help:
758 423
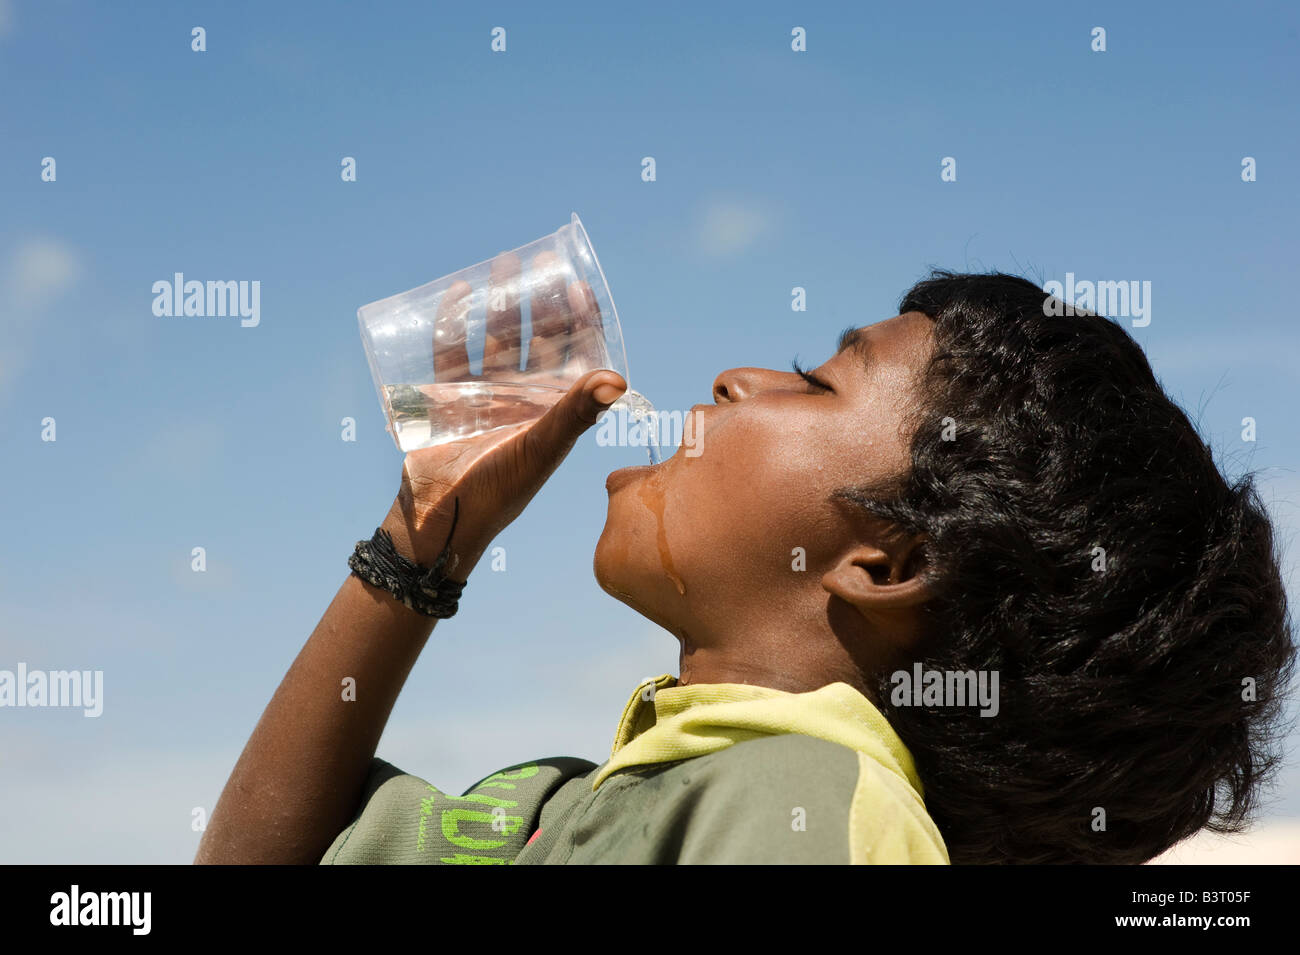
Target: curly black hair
1125 673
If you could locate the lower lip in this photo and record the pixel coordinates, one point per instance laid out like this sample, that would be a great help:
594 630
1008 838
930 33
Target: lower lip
623 476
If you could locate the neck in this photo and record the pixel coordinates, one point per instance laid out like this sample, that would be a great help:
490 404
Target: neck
785 668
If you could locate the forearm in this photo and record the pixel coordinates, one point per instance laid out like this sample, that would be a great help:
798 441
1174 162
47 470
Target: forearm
299 779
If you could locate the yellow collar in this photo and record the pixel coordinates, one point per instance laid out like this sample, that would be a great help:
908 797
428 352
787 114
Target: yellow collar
663 722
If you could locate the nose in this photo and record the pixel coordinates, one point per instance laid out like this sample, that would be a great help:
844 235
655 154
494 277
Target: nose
737 384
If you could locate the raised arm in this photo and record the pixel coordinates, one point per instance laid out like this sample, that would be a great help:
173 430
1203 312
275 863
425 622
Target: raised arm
299 779
300 776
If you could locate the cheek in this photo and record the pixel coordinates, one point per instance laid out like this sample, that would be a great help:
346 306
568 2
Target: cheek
739 509
727 519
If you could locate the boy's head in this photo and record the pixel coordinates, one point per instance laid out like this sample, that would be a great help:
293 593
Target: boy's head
733 547
979 485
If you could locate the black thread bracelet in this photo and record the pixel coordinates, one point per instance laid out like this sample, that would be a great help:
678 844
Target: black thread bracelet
423 589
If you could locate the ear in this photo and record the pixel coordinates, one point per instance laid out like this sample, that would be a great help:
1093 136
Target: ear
879 582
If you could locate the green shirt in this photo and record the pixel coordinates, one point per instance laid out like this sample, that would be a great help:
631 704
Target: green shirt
708 773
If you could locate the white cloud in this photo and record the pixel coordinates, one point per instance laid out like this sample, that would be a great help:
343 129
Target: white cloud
6 18
37 273
1276 842
728 227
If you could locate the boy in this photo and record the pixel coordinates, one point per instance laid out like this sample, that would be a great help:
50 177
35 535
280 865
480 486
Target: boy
973 590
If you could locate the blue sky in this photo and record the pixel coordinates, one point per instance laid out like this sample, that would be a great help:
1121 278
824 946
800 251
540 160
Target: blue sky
775 169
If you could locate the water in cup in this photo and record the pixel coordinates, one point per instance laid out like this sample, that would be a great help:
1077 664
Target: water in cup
425 415
497 344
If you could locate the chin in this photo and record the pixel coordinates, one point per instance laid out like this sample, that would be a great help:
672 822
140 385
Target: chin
615 577
599 561
610 561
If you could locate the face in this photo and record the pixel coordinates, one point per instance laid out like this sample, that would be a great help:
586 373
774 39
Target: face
728 548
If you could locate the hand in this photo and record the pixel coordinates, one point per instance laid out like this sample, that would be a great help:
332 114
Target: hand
495 475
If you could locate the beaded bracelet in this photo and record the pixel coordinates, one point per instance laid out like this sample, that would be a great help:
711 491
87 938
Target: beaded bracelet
424 590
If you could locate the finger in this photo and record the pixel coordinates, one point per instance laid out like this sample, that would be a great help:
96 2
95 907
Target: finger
450 358
587 346
551 317
502 337
550 439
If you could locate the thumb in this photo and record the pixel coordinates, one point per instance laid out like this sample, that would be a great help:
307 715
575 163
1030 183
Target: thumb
557 430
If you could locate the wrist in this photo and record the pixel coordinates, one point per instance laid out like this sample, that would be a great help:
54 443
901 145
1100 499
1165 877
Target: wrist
420 534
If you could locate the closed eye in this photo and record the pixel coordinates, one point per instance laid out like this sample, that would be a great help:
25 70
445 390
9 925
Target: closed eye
809 377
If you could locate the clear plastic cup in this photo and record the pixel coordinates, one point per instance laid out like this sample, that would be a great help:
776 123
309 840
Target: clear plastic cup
493 345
